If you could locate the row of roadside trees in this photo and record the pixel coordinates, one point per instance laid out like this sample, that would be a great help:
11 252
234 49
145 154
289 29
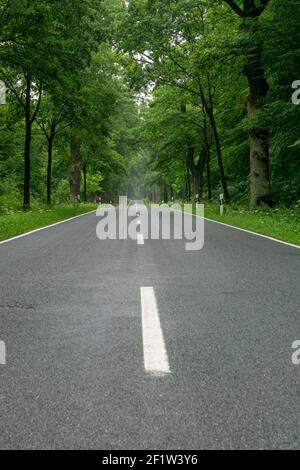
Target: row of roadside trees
222 115
66 90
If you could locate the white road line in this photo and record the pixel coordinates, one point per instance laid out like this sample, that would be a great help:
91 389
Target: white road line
254 233
2 353
44 228
140 239
247 231
156 359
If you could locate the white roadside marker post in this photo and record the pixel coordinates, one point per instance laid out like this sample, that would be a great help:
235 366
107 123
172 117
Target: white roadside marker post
222 202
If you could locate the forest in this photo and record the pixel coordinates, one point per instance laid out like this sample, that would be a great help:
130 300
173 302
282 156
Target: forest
158 100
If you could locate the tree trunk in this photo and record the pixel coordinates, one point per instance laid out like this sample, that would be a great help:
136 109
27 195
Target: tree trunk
193 171
196 171
208 176
258 90
196 179
171 192
75 178
220 158
84 185
258 138
207 161
208 106
211 116
49 169
28 126
166 195
188 183
201 184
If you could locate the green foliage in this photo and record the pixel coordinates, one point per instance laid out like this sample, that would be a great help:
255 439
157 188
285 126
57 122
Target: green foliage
69 59
281 223
180 47
13 222
140 84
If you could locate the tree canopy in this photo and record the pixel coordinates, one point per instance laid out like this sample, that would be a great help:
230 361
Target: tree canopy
181 99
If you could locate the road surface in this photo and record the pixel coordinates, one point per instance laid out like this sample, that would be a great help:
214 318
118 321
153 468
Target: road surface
126 345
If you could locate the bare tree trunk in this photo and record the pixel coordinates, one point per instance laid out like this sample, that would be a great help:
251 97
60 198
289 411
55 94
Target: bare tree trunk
201 183
201 165
171 192
75 178
188 183
166 195
207 160
208 176
195 185
208 106
258 90
193 171
197 171
84 184
258 138
49 168
211 116
27 146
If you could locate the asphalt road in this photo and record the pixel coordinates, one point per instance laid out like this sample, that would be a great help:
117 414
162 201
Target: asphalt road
76 376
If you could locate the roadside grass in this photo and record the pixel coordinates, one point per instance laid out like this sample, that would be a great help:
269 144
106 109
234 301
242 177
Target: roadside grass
280 223
16 222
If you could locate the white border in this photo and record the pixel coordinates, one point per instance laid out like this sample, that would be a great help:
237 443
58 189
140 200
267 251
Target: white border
247 231
45 228
255 233
209 220
244 230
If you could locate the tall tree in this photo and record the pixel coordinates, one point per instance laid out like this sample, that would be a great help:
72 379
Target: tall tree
166 39
250 13
41 52
54 118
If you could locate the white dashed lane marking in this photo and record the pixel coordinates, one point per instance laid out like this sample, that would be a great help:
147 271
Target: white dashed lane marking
140 239
156 360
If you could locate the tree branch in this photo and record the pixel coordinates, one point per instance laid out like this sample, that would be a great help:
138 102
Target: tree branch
236 8
11 87
252 11
263 5
63 128
33 118
43 128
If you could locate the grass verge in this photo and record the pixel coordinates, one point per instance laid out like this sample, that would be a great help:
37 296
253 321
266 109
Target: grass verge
280 223
15 223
